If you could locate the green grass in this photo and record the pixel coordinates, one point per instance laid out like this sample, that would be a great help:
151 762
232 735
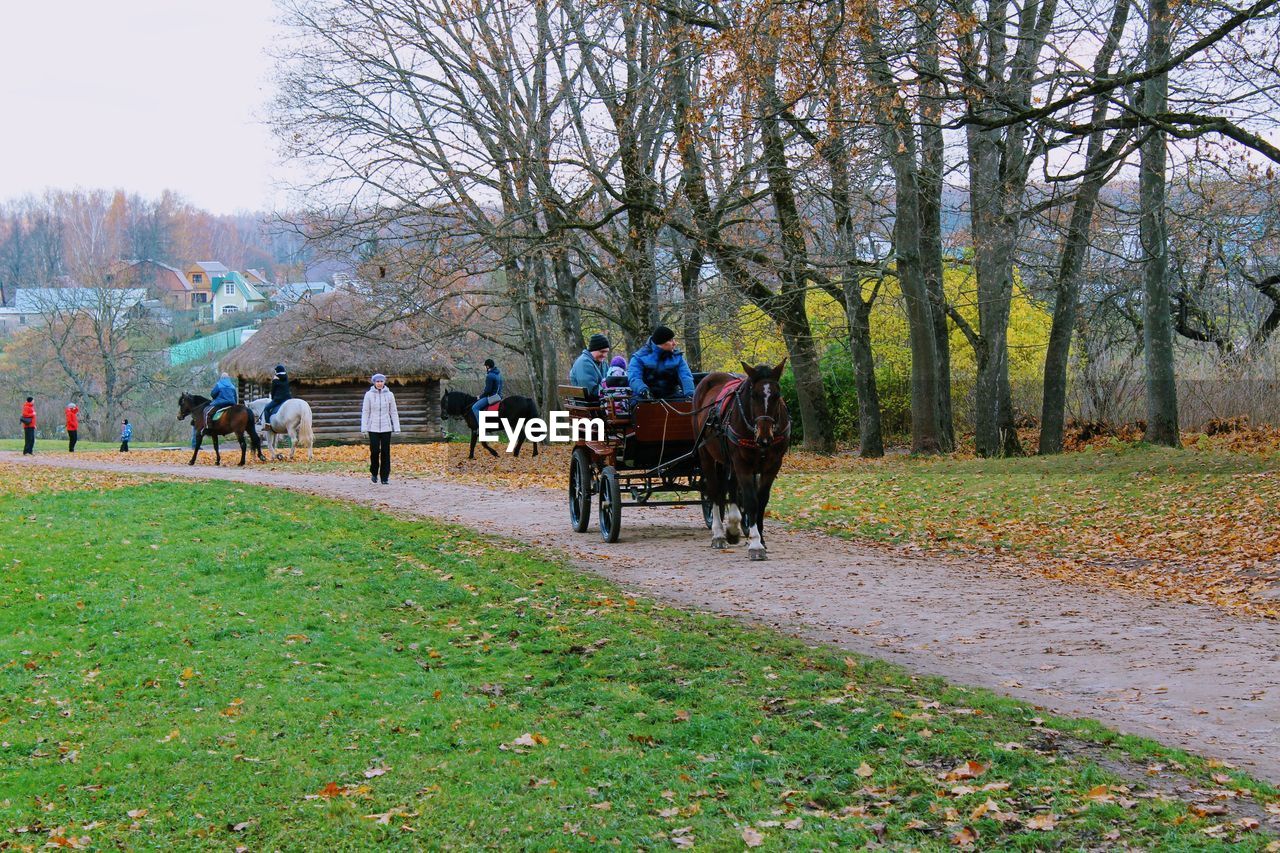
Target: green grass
215 654
59 445
1013 503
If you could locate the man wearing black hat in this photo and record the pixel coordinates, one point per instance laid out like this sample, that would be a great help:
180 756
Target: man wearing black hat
492 392
590 368
658 369
279 393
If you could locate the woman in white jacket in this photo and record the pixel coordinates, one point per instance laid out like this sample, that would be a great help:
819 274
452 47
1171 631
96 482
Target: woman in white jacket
379 419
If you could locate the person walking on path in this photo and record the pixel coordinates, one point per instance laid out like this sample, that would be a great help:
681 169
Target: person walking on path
379 418
126 433
73 426
28 427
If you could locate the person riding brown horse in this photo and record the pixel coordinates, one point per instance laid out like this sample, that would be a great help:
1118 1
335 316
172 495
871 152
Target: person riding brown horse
235 418
745 429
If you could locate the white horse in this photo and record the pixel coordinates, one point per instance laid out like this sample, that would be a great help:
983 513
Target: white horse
293 418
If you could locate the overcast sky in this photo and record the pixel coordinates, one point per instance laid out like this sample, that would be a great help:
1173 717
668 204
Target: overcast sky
143 95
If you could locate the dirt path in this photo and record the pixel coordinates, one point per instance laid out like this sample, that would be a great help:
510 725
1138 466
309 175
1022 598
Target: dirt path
1185 675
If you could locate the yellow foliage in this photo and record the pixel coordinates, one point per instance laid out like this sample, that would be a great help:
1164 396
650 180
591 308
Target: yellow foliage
752 337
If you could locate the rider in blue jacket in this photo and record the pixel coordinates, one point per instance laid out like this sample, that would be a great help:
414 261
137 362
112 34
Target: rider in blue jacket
492 389
658 369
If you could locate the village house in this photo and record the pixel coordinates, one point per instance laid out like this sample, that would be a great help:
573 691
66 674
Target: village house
232 293
329 364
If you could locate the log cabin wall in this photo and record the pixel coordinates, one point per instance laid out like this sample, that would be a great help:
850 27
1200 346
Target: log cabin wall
335 408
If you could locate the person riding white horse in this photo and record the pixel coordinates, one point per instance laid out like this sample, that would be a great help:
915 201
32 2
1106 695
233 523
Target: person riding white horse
293 419
280 392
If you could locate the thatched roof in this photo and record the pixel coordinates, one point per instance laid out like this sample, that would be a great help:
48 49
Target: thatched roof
336 337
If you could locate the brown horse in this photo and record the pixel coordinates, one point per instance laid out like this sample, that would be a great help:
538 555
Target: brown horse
234 419
744 431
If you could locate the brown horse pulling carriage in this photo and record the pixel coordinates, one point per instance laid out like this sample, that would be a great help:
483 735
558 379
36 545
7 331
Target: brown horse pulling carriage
725 446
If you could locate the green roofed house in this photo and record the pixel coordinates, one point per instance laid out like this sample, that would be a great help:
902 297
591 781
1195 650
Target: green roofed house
232 292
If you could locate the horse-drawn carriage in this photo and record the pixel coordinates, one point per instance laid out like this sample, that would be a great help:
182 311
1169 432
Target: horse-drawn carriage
723 448
648 451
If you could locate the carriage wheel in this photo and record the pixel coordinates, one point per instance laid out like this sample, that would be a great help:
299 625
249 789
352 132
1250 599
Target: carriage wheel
580 490
708 507
610 505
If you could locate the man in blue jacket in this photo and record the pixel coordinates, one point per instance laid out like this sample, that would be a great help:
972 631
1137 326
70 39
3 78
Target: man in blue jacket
492 389
223 394
658 369
590 368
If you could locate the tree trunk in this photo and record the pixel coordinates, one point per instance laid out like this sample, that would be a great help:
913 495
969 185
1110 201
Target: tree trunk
1157 327
858 313
691 307
932 164
1075 249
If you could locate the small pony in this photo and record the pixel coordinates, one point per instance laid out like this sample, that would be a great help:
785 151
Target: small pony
744 430
457 404
293 418
233 419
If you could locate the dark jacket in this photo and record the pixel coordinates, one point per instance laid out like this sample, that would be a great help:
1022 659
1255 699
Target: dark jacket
492 383
280 389
659 373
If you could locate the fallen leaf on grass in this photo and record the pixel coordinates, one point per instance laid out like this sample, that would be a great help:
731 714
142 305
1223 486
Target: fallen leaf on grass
71 843
681 716
136 813
1043 822
967 770
384 818
241 826
1207 809
796 824
373 772
751 837
170 736
865 770
966 837
1100 794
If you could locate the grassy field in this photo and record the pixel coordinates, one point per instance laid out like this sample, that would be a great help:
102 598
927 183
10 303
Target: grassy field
211 665
59 445
1200 525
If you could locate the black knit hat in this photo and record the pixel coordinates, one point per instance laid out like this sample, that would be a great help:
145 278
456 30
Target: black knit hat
662 334
488 362
597 342
279 369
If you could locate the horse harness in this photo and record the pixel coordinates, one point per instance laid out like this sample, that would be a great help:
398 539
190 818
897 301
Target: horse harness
730 394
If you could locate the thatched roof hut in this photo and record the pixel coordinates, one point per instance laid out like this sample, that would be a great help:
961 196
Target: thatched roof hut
331 344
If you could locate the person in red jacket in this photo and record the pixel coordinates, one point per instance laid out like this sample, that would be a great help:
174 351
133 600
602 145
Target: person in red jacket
29 427
73 426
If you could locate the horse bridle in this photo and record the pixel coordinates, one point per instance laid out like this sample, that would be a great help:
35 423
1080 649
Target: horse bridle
748 441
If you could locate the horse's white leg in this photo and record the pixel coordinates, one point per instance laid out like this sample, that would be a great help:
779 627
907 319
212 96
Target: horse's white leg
755 546
733 523
717 528
293 442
